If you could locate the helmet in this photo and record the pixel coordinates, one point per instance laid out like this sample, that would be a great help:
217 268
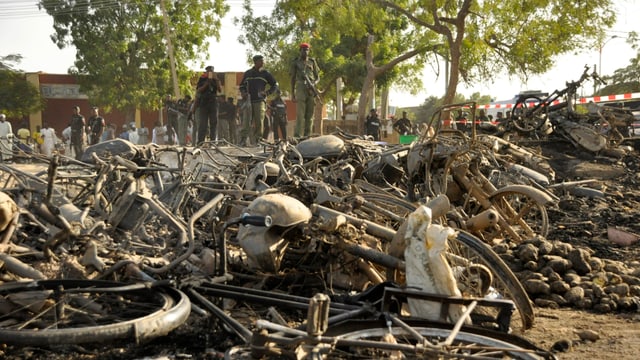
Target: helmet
324 145
265 246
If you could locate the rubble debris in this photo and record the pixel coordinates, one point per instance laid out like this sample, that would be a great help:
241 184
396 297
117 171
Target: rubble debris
621 237
279 224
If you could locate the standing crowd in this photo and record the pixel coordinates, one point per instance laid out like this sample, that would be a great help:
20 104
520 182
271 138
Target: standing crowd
209 116
260 111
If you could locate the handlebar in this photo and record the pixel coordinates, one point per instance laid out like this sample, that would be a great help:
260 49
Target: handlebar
585 75
256 220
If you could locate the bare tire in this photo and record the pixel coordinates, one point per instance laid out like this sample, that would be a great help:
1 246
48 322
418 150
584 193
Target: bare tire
53 312
526 216
469 256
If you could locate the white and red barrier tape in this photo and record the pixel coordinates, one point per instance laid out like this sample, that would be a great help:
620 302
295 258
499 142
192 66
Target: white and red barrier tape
584 100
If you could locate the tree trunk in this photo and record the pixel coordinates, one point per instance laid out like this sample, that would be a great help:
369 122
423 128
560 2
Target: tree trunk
372 73
364 100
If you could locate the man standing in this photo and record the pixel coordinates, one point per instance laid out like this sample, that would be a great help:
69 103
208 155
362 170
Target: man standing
78 135
37 140
6 138
109 133
279 117
124 135
228 114
96 126
208 88
403 125
184 106
143 134
254 88
372 125
172 113
304 76
49 139
133 133
24 134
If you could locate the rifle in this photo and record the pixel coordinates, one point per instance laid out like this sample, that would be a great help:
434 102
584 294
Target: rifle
312 88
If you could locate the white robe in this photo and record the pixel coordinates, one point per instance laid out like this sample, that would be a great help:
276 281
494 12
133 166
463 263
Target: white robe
6 134
49 139
133 136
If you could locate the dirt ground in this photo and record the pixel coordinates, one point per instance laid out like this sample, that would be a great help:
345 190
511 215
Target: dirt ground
618 334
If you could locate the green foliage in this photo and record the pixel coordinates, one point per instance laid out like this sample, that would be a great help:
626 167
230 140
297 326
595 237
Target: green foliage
518 37
337 31
629 73
479 99
620 88
122 58
626 79
477 39
524 37
18 97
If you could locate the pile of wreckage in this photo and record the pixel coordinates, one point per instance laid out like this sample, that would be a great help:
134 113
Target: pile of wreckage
326 247
538 118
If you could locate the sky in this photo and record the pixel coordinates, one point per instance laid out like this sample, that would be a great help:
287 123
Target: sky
26 31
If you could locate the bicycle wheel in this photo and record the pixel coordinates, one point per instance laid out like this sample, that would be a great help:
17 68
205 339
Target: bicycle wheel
529 114
526 216
54 312
470 258
379 341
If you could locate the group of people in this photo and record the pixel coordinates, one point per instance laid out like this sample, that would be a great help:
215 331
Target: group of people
79 133
260 111
258 118
402 126
82 132
8 139
44 140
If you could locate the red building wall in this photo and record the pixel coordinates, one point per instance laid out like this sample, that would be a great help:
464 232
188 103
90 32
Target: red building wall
62 93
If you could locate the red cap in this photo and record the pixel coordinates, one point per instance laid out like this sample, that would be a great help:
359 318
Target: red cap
304 46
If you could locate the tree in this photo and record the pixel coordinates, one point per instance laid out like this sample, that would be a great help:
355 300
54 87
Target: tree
479 39
475 39
358 41
122 58
624 80
479 98
18 97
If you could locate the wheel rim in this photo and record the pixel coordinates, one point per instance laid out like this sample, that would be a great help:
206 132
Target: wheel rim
465 344
73 312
